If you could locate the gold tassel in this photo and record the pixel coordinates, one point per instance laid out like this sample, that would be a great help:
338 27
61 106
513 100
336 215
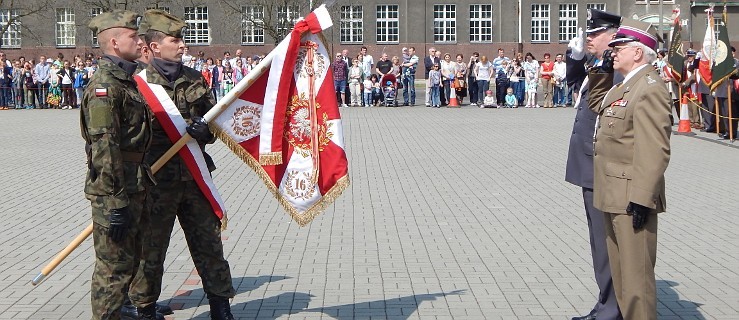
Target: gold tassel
224 222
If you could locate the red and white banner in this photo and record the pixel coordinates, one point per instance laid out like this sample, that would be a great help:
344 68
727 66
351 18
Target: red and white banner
168 115
285 124
707 51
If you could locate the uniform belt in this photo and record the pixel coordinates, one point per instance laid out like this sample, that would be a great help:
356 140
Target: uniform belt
132 156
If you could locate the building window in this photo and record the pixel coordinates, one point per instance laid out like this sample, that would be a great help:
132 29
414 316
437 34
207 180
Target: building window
352 28
388 24
481 23
445 23
94 35
596 6
11 38
158 6
655 1
198 31
252 20
65 30
567 21
286 18
540 22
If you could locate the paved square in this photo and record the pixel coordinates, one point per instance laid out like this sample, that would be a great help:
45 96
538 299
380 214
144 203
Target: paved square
451 214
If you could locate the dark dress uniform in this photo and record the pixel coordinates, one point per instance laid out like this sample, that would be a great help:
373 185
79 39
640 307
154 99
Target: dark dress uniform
115 123
579 169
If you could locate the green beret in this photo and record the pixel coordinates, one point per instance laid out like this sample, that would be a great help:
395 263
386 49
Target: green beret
115 19
159 20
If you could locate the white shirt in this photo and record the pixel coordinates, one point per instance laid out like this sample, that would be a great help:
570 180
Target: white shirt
560 70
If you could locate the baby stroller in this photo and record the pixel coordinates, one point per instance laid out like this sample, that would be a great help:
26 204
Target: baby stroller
389 90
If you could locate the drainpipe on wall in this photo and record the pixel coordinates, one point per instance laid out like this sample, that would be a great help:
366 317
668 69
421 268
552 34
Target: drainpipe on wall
520 22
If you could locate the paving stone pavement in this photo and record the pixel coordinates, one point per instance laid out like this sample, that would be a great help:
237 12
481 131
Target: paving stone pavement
451 214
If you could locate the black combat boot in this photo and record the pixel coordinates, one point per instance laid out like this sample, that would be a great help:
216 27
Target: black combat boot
149 313
220 309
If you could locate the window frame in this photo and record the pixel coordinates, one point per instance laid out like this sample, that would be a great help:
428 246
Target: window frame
351 26
384 22
476 17
445 23
65 32
94 12
12 37
544 19
249 30
290 14
567 28
197 36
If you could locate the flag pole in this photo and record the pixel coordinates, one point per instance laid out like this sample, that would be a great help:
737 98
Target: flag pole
731 117
232 95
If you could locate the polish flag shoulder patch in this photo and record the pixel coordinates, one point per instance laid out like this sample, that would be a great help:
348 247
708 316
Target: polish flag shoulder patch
101 92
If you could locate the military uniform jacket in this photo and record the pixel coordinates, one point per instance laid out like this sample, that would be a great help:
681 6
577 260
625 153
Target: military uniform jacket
193 98
632 144
115 122
579 169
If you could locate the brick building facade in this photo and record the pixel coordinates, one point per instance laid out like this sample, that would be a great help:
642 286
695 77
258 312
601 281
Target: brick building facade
461 26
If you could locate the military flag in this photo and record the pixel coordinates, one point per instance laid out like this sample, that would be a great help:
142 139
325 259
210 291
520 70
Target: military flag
723 63
707 51
285 124
675 58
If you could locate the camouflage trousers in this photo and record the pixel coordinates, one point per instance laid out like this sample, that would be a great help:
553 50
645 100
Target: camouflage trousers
203 235
116 263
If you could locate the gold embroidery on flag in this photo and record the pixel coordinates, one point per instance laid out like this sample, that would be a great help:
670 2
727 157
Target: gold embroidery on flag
246 121
299 185
300 131
270 159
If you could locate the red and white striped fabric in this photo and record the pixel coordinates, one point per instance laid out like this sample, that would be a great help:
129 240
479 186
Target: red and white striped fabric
286 123
174 125
707 51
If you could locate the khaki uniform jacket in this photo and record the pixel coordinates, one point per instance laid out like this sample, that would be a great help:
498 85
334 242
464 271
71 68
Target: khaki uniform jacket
115 122
193 98
632 144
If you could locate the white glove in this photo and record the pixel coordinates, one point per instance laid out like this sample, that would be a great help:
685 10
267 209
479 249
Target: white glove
577 46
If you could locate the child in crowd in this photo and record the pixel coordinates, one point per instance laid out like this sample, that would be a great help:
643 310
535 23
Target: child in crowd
435 82
510 99
489 100
367 92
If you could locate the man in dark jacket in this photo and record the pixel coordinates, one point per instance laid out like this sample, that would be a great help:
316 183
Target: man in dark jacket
601 27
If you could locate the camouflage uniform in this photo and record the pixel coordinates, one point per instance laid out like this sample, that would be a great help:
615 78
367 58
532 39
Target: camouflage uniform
177 195
115 123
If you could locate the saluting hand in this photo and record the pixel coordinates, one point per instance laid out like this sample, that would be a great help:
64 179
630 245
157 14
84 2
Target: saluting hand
577 46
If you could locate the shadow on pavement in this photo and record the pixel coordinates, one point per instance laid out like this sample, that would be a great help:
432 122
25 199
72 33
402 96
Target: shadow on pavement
668 298
396 308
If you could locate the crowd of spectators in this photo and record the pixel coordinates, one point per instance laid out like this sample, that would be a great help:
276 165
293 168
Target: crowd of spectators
58 83
499 82
359 80
45 83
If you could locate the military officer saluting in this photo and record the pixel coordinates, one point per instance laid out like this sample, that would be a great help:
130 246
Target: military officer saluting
183 91
115 123
597 78
632 151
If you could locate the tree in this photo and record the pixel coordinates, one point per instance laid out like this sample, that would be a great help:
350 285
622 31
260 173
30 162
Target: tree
273 18
13 12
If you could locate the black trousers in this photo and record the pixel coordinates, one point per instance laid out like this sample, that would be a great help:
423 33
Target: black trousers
606 306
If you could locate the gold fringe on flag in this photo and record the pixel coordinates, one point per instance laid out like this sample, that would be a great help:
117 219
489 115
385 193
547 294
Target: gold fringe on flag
302 219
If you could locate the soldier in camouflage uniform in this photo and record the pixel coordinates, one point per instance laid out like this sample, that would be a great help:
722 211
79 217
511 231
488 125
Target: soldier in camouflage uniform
176 193
115 123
